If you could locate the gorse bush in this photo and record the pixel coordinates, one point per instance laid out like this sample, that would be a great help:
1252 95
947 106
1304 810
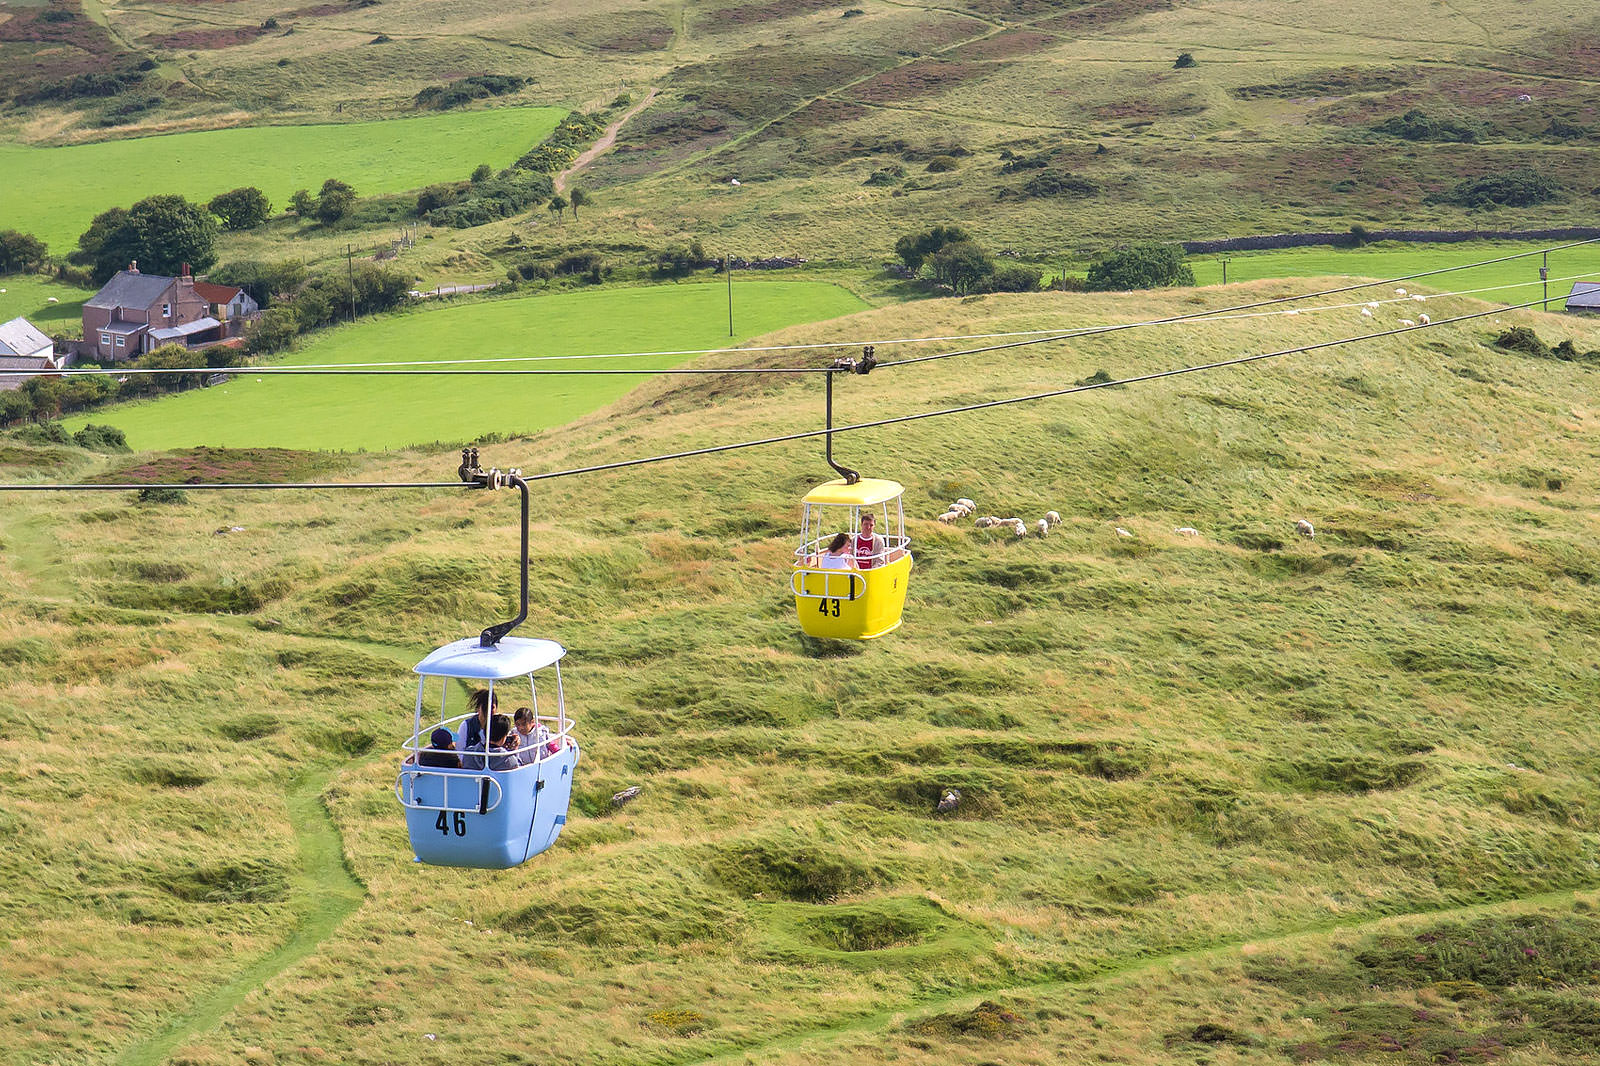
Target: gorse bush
1520 187
465 90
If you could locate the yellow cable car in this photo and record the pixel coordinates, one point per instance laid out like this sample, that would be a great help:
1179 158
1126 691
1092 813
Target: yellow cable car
857 590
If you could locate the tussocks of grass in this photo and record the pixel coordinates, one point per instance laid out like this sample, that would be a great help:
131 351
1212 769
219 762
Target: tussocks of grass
1162 742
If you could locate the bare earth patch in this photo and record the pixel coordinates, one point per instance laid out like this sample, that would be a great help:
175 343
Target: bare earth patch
204 40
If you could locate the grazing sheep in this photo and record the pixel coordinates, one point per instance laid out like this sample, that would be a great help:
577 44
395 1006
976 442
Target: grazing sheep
1417 296
1374 304
984 523
1042 527
947 517
1399 292
1407 322
968 504
1366 312
1123 532
1053 518
1187 531
52 299
1424 319
1304 528
1020 528
949 801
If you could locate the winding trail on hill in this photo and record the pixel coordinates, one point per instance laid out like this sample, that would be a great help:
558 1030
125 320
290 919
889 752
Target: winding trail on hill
879 1021
324 894
607 139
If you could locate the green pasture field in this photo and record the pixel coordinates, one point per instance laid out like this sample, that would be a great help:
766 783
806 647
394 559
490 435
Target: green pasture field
29 295
367 413
54 192
1516 281
1237 797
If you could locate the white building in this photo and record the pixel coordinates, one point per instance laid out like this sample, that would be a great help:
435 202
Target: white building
24 347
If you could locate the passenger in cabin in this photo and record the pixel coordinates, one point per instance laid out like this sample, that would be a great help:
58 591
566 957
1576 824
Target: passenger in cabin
835 557
532 736
441 751
869 544
502 738
482 704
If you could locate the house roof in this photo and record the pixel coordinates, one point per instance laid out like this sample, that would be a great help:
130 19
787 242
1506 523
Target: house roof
172 333
216 294
122 325
129 290
1585 294
21 337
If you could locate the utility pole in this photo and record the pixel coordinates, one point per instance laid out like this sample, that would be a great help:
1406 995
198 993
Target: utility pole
1544 276
727 268
350 263
1224 271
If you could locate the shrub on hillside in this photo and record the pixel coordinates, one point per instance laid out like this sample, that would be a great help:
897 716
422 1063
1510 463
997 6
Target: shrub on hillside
941 164
1011 278
915 248
962 266
101 439
479 203
1520 187
274 331
563 145
1415 125
1059 183
465 90
1143 266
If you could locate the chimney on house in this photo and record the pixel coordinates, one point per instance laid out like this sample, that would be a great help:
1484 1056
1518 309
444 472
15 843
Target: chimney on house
185 279
133 267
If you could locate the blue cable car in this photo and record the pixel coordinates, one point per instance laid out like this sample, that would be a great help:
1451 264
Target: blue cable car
484 807
499 815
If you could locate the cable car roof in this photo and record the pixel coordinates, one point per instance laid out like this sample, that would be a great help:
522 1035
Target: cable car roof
864 493
512 657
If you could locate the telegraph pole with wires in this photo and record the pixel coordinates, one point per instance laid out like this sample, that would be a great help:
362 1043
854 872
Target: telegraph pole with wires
727 268
350 263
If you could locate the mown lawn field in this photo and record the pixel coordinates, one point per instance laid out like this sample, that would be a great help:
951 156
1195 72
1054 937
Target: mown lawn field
29 295
1390 259
54 192
349 413
1241 796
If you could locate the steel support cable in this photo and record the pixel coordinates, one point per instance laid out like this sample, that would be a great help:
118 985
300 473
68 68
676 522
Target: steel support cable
813 433
1033 337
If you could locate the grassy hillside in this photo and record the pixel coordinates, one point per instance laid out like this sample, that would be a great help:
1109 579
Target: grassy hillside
355 413
1234 797
1047 126
54 192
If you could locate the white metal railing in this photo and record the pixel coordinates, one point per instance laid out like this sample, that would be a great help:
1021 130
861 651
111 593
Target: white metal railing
405 790
809 554
854 584
560 734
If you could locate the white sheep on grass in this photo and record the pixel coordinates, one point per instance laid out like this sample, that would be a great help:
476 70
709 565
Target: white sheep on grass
1052 517
947 517
1041 527
1424 319
1305 528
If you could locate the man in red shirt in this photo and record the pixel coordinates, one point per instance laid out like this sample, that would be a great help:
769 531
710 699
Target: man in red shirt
869 545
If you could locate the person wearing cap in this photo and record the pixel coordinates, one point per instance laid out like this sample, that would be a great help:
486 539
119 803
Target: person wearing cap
441 751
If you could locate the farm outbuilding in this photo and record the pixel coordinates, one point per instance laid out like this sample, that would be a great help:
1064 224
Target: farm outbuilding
23 346
1585 296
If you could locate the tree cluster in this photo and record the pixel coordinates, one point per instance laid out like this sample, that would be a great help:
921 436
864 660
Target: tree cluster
21 252
161 232
44 397
330 205
244 208
482 200
1142 266
958 261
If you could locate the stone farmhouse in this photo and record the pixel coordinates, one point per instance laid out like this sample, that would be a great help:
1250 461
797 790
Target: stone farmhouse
23 346
135 313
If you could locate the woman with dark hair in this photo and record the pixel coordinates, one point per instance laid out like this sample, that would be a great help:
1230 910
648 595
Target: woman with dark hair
482 703
834 556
